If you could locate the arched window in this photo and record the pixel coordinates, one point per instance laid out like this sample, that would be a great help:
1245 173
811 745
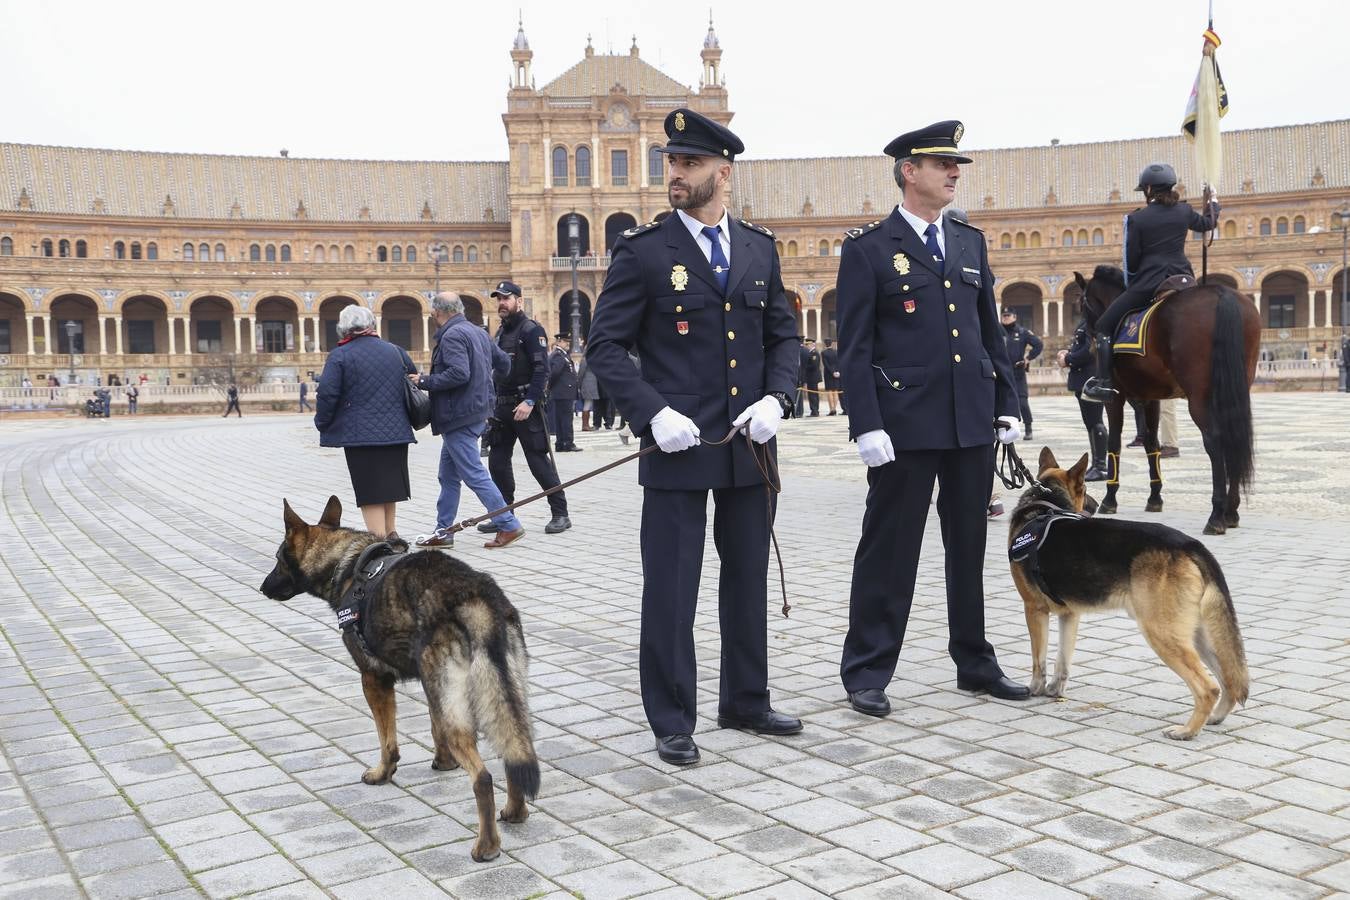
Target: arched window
119 250
382 253
135 250
1281 225
6 246
63 248
823 249
1005 241
656 165
396 253
270 253
204 253
457 254
411 254
779 246
82 250
1021 240
254 253
189 252
1035 240
349 253
1300 225
152 250
285 252
1265 227
583 166
1098 238
560 167
1230 229
504 253
473 253
1067 239
838 247
319 254
1082 237
46 246
792 248
334 253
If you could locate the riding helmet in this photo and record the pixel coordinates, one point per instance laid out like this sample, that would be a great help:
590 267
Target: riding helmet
1157 175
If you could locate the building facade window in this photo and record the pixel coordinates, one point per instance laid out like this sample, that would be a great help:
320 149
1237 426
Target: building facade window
382 253
504 253
618 168
1280 312
270 253
1082 237
823 249
1265 228
1281 225
140 336
1098 237
274 337
254 253
189 252
583 166
47 247
135 249
656 165
348 254
399 331
119 250
1230 229
1005 241
208 336
791 248
285 252
473 253
4 337
63 248
1035 240
152 250
396 253
1067 239
457 255
411 254
319 253
1300 225
6 246
560 167
204 253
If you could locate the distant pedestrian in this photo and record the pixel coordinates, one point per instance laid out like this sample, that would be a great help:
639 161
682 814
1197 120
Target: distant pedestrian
232 402
304 396
562 394
133 397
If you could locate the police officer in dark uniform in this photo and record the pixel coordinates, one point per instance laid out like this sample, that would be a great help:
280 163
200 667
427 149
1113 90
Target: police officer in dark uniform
1155 249
699 297
829 358
811 366
800 408
1023 346
1077 358
519 414
927 376
562 395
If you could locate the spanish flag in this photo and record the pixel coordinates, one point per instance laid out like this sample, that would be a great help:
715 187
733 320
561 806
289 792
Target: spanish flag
1207 104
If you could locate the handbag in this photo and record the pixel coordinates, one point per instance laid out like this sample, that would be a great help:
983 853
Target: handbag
418 404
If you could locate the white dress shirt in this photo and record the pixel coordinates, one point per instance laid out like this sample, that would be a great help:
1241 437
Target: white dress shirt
696 231
920 226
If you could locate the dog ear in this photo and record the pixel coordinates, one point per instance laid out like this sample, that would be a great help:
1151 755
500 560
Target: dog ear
1048 460
293 521
1078 470
332 513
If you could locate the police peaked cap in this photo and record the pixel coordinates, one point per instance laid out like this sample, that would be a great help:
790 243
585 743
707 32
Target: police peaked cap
505 287
697 135
939 139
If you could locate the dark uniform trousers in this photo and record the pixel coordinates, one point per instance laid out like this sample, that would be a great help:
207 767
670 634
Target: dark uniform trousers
533 439
560 422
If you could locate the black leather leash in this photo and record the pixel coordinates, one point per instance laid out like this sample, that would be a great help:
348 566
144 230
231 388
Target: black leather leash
1017 474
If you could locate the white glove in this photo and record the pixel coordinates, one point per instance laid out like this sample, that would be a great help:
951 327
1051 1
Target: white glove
875 449
673 431
763 415
1008 428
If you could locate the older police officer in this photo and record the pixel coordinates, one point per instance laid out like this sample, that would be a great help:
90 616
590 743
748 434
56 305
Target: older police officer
926 372
699 297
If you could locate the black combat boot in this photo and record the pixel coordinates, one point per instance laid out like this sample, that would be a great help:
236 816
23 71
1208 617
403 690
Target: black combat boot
1097 471
1098 388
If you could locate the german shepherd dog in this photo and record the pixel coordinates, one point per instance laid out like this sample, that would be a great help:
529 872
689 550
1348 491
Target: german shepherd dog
1168 582
435 619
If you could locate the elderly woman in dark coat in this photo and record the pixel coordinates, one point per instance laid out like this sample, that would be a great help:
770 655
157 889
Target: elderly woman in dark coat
360 407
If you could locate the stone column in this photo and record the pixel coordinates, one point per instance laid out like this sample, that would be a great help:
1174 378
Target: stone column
1327 319
238 348
173 338
1256 297
1059 316
426 336
1045 315
47 334
548 161
28 326
117 324
314 327
642 152
187 334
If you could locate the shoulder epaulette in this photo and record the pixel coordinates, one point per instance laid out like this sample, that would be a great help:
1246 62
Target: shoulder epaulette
862 229
966 224
753 227
640 229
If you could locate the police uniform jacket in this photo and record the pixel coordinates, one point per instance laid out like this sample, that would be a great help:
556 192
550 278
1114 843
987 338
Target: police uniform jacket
562 376
830 359
811 363
1155 242
921 348
1079 359
1022 343
705 355
524 341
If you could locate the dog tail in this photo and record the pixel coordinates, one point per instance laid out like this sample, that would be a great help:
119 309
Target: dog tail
1219 621
501 699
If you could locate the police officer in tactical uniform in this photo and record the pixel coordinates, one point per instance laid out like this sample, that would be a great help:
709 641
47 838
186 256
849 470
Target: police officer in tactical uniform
811 369
1155 249
519 414
700 298
929 385
1023 346
562 395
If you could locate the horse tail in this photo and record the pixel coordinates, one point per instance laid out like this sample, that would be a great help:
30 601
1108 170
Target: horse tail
1230 404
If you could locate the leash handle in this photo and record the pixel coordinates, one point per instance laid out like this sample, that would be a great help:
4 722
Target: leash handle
1017 475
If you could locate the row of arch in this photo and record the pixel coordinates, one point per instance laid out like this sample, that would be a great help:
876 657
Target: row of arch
64 248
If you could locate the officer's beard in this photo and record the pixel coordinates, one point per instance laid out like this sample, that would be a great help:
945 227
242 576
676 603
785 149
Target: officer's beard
695 196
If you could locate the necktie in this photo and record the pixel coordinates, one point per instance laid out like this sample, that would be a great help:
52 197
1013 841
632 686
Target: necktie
721 268
930 239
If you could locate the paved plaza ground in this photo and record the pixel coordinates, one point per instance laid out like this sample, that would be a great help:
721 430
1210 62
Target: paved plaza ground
167 730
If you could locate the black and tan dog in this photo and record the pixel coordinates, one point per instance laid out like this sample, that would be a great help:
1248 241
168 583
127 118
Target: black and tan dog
1168 582
433 618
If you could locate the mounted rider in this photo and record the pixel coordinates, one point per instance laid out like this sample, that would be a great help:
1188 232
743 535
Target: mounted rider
1155 249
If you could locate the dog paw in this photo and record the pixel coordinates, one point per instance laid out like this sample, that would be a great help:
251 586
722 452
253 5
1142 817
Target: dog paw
482 853
513 816
1179 734
1054 689
378 775
1037 687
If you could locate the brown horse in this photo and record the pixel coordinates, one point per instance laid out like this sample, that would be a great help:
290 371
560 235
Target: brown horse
1202 345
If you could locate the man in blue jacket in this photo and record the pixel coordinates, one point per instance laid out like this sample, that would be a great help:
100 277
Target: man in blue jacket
462 364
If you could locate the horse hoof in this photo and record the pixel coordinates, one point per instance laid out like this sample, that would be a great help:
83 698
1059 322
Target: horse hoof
1215 528
1153 506
1231 520
1107 510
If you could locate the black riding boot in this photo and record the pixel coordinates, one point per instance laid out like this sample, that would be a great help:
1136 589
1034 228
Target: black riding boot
1098 388
1097 471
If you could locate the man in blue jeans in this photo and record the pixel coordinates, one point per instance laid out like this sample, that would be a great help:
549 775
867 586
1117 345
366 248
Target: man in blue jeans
460 384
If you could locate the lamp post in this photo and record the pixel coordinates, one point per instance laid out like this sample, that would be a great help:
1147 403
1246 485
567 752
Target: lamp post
70 345
1345 301
574 247
438 256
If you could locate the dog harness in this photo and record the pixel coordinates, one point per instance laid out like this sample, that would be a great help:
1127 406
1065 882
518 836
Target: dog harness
374 563
1025 547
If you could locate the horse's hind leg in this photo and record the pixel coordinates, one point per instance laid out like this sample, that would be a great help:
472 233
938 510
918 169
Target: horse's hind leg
1153 450
1219 499
1230 512
1115 418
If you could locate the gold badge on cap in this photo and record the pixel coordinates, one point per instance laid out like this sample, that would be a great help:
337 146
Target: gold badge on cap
902 263
679 121
679 277
956 135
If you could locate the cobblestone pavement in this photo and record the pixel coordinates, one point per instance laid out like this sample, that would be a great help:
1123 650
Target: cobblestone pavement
167 730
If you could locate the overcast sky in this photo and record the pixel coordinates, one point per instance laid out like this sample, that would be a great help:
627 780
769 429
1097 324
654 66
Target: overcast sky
400 79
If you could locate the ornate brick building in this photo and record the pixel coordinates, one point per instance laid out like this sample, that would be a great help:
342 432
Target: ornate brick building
173 265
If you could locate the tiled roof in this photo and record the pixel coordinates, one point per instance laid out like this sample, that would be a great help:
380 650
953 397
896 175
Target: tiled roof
595 75
132 183
1284 158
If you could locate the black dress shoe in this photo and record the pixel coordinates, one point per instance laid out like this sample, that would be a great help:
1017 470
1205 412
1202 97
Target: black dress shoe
1001 687
557 524
677 749
768 722
870 701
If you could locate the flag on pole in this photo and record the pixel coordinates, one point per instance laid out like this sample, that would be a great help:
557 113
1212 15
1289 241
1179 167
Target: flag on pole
1207 104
